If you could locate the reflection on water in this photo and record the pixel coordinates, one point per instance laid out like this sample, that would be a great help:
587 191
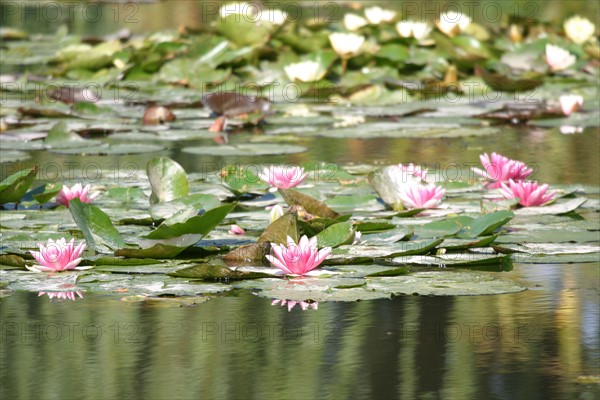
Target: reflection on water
529 345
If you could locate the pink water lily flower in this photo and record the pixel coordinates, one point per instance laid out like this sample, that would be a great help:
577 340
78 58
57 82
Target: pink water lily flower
57 256
236 230
529 193
67 194
283 177
304 305
298 259
421 196
570 103
500 169
63 295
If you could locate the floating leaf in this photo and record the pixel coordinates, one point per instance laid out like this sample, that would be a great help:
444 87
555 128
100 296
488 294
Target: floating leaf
211 272
459 260
485 225
310 204
96 226
560 207
197 225
13 188
232 104
336 235
156 251
49 191
12 260
195 202
60 137
280 229
252 253
242 180
168 180
444 283
507 84
316 225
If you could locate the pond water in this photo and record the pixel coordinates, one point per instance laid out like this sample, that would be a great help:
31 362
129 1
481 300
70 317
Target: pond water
541 343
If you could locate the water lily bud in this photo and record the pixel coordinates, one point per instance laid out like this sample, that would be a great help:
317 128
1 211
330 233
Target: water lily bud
236 230
155 115
579 29
357 237
515 34
276 212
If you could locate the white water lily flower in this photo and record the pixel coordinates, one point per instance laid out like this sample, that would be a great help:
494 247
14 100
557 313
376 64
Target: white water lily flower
418 30
558 58
305 71
579 29
275 17
354 22
238 8
570 103
346 44
376 15
452 22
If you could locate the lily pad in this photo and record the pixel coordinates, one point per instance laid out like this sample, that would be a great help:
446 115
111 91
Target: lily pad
211 272
336 235
279 230
168 180
310 204
13 188
96 226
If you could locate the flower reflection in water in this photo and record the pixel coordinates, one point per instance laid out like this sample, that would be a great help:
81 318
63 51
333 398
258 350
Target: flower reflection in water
304 305
70 295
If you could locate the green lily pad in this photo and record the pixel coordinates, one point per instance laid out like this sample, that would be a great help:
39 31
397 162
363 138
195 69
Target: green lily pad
253 254
168 180
109 149
279 230
361 254
444 283
60 137
14 187
211 272
350 204
98 230
336 235
242 180
310 204
486 224
194 202
557 208
197 225
49 191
